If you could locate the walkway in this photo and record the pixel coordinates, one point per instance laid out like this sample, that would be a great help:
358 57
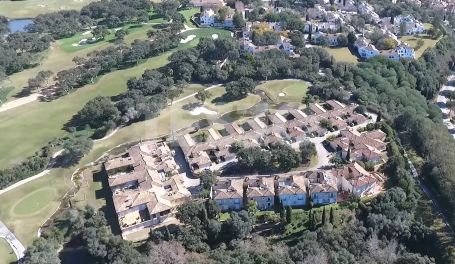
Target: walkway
19 102
442 100
12 240
37 176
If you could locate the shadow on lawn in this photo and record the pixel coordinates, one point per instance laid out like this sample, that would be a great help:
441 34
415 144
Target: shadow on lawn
108 209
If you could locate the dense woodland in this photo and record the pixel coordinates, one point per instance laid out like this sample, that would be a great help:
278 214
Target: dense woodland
386 230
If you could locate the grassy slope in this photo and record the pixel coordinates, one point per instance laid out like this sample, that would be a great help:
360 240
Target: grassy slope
412 40
61 54
294 90
61 57
25 225
6 253
342 54
32 8
25 129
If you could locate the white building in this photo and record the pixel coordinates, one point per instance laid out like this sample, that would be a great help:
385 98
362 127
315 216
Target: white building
367 10
208 18
355 179
365 49
411 25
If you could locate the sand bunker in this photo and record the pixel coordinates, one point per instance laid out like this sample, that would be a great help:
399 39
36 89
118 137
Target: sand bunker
214 36
86 32
202 110
281 94
188 39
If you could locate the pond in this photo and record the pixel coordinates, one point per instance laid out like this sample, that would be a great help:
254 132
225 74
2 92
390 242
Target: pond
18 25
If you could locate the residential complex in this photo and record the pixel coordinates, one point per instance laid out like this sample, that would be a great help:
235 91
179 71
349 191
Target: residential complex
291 126
295 189
146 185
324 25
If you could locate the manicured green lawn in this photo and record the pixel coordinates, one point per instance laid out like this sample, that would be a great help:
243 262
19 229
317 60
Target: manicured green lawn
427 43
27 128
285 91
60 55
41 197
32 8
33 202
7 255
342 54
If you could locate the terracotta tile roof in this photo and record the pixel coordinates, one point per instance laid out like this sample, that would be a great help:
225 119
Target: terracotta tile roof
292 184
228 189
297 114
234 129
118 163
335 104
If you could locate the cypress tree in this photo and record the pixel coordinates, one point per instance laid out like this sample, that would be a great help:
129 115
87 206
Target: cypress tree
313 222
323 216
332 216
283 215
288 214
276 204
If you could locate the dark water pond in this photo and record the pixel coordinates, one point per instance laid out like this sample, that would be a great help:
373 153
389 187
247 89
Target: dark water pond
18 25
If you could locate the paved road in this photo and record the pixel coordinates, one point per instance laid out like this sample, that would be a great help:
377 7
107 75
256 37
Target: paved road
12 240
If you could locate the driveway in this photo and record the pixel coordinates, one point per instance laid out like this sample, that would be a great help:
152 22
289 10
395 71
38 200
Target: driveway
12 240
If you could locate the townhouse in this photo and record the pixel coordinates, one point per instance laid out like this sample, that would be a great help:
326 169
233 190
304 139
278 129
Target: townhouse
322 187
146 185
265 130
291 189
367 146
354 179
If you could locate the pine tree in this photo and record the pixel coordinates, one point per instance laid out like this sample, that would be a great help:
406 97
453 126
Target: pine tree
332 216
378 119
323 216
288 214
